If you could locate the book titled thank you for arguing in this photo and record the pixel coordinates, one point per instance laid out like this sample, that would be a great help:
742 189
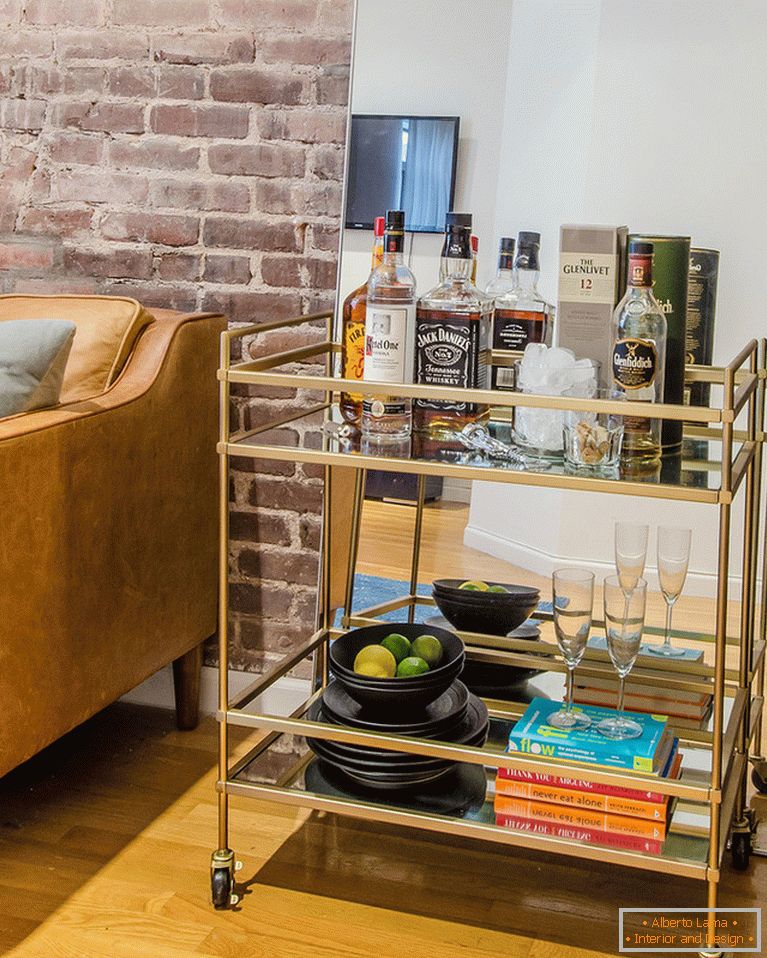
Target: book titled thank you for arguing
534 736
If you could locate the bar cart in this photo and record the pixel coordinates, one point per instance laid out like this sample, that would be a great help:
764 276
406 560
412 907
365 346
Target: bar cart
728 437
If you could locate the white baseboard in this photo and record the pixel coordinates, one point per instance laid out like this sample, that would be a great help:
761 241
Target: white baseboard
543 563
284 696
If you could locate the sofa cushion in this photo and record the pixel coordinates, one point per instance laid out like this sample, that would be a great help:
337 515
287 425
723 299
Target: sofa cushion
33 357
107 329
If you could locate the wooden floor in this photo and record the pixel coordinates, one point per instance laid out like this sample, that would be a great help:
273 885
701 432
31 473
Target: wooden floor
105 842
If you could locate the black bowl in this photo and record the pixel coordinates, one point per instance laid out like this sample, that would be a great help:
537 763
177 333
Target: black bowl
491 618
513 593
395 696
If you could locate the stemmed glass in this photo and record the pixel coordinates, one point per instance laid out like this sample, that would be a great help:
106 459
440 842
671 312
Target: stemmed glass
624 623
573 603
673 560
630 553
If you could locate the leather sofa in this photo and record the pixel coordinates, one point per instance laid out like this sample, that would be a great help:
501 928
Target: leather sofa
108 552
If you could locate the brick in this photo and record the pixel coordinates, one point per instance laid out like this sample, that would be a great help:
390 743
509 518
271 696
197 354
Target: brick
165 229
180 82
310 530
119 263
324 237
179 266
251 307
84 80
328 163
57 222
262 159
153 153
265 14
22 115
305 126
154 294
279 565
131 81
199 195
161 13
189 120
203 48
28 254
274 196
281 271
58 13
27 43
10 11
6 75
102 45
231 233
290 496
258 599
252 85
320 199
229 270
305 49
332 90
335 15
30 79
264 527
70 148
80 186
106 117
277 636
56 286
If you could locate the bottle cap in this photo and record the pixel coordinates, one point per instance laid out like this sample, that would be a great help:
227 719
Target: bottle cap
395 220
380 225
507 244
475 244
529 239
458 219
638 248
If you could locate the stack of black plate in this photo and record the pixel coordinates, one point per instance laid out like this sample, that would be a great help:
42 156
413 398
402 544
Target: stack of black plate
456 716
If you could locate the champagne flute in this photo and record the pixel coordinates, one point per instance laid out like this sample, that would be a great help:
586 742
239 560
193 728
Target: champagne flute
673 560
624 622
630 553
573 602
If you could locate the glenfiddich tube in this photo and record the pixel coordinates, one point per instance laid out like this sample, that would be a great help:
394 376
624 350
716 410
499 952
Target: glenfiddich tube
701 310
670 272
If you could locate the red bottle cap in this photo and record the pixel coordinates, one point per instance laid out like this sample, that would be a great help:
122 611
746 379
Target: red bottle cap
475 244
380 225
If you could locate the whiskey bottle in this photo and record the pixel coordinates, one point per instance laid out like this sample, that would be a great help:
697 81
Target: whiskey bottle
474 258
638 356
521 315
353 333
504 278
389 337
452 336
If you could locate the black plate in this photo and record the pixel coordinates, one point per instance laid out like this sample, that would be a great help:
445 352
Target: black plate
460 791
494 681
490 618
438 718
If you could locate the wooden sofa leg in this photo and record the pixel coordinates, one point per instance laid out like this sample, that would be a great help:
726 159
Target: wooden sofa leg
186 685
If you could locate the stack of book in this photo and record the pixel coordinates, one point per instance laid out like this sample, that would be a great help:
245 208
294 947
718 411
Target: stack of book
686 709
567 807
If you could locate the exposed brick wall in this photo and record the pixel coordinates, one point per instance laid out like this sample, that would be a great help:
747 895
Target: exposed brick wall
188 153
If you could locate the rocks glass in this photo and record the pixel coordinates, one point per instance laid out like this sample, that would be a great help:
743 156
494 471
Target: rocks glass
624 624
573 603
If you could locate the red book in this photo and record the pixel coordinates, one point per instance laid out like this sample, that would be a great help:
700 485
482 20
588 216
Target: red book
579 817
632 843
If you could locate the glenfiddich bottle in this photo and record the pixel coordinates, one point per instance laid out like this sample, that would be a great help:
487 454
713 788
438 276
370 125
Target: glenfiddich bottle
521 315
639 355
353 334
452 336
389 336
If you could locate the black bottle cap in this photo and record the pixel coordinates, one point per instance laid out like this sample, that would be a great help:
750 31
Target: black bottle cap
641 249
507 244
529 239
395 220
458 219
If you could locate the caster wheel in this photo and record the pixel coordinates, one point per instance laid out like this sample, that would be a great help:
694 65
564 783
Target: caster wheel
760 784
221 887
741 850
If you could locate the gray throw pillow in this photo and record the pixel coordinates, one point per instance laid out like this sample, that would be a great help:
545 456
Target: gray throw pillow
33 356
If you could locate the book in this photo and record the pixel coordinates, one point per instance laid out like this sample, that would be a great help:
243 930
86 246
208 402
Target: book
672 770
634 843
574 798
610 684
579 817
587 695
533 735
686 655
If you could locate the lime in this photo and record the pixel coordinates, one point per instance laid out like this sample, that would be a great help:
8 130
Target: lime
497 588
398 645
412 665
376 662
474 586
428 648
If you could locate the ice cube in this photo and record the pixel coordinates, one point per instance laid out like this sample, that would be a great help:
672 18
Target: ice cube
535 354
559 358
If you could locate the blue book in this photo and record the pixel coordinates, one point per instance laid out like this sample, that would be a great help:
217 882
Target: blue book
683 655
534 736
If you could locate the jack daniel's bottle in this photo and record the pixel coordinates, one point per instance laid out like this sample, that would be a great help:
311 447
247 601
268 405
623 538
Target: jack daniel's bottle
452 336
639 355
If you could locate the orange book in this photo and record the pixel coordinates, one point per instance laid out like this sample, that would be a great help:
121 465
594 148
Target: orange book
578 817
595 801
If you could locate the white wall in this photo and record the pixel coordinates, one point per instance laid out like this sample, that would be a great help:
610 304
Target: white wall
441 57
651 114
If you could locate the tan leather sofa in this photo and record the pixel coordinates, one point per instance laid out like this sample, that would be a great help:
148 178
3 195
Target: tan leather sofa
109 521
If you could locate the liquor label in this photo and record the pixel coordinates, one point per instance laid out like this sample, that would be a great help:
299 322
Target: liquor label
378 408
587 277
451 350
354 351
386 331
635 363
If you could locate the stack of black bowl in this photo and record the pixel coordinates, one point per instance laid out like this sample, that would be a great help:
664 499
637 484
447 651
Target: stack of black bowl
433 705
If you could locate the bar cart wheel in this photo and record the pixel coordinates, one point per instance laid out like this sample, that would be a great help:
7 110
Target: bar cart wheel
758 777
741 848
222 868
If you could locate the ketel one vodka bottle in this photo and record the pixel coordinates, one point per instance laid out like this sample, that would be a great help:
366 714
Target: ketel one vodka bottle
639 355
452 337
353 334
389 337
521 315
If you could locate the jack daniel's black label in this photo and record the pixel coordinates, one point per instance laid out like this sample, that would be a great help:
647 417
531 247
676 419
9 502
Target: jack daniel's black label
635 363
451 349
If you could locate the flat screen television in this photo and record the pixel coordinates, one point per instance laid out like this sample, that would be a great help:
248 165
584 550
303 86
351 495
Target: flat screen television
402 163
